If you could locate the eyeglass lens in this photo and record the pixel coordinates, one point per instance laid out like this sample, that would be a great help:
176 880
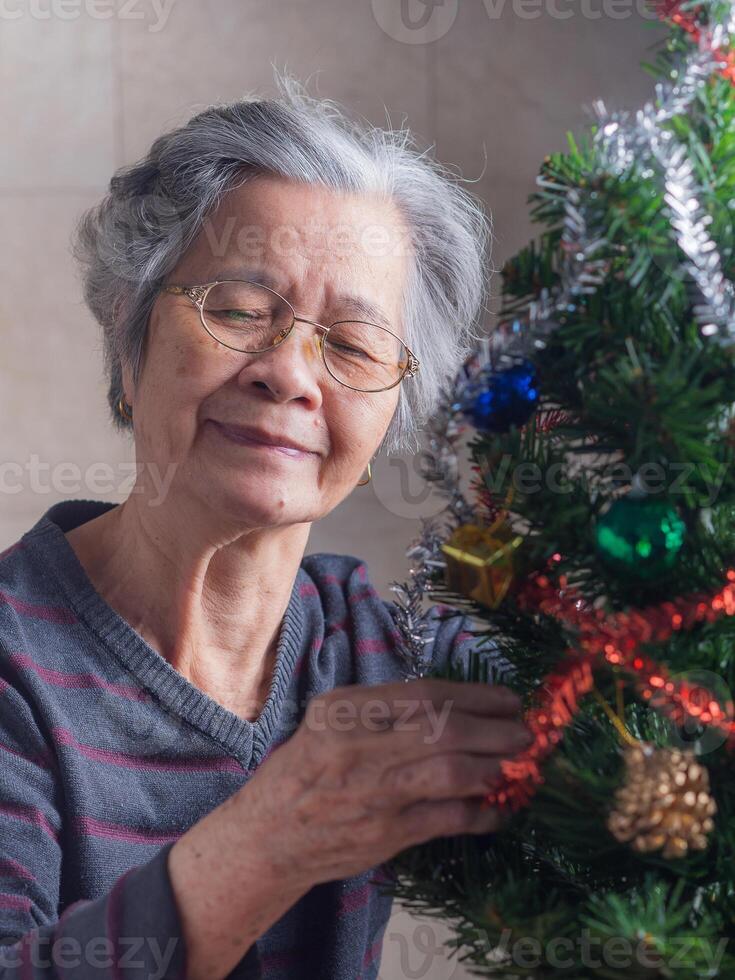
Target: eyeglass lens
250 318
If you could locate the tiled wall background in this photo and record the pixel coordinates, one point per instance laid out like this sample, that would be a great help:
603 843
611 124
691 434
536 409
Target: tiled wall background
86 85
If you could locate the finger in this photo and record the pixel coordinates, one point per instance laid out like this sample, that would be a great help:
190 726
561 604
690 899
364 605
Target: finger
425 735
443 818
470 697
475 697
488 819
450 776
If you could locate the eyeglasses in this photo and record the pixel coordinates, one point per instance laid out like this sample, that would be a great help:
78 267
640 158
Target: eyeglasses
252 318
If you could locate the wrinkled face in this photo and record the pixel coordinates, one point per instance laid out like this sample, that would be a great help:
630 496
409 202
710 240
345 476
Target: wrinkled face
320 250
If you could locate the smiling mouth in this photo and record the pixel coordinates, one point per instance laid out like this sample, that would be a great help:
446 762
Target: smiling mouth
234 436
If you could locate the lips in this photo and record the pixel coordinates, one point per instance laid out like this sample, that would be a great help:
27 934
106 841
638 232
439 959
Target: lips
255 437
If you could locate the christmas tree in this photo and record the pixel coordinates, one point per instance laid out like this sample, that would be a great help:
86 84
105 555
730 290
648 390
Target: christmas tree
597 551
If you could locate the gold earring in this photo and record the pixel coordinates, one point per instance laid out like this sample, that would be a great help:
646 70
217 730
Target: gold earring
125 410
364 483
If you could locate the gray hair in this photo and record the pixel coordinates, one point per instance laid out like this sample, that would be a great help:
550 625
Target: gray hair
130 240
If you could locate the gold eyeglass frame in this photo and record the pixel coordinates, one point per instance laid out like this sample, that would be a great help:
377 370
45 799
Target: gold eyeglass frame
198 294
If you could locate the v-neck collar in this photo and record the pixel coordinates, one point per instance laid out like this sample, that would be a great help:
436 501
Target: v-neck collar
246 740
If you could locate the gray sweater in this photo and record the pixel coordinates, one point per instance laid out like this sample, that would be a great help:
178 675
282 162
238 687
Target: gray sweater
108 754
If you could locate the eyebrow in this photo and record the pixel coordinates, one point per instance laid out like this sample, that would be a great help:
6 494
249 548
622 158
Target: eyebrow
362 307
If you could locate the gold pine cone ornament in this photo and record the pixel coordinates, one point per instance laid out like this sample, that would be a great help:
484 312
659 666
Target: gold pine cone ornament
664 802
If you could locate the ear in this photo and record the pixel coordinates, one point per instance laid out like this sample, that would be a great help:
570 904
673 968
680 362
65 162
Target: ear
127 383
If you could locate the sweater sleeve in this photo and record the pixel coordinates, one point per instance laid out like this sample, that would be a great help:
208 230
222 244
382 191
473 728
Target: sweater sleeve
454 636
133 931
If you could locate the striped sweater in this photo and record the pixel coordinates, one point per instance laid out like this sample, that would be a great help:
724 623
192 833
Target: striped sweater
108 754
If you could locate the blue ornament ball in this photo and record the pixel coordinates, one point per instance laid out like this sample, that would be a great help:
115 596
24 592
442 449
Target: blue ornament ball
497 401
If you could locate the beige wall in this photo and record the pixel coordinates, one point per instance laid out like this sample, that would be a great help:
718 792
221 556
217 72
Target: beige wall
82 93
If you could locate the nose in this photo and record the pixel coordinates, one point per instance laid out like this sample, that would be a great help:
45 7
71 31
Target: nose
307 336
293 368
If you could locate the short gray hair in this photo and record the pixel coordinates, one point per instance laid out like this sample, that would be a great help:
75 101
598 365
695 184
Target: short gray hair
130 240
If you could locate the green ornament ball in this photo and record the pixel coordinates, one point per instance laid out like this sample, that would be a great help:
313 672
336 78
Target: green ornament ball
640 535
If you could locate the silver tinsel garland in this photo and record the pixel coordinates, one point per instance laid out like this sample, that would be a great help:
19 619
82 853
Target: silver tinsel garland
440 467
623 140
627 140
581 273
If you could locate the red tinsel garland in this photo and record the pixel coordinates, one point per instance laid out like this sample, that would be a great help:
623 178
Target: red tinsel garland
616 640
556 708
671 10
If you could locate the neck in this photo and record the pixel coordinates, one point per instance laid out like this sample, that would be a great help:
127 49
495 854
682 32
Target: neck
210 599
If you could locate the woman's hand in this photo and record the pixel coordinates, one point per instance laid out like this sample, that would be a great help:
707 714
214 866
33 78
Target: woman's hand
368 772
374 769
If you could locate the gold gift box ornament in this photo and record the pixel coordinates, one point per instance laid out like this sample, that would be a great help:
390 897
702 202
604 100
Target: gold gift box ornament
480 561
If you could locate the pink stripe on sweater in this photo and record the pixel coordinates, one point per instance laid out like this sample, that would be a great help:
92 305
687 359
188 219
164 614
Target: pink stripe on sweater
59 678
367 593
29 814
92 827
358 898
52 614
371 645
372 952
9 866
308 589
20 902
129 761
337 627
45 760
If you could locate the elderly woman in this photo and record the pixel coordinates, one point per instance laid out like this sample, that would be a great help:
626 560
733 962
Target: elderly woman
207 748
